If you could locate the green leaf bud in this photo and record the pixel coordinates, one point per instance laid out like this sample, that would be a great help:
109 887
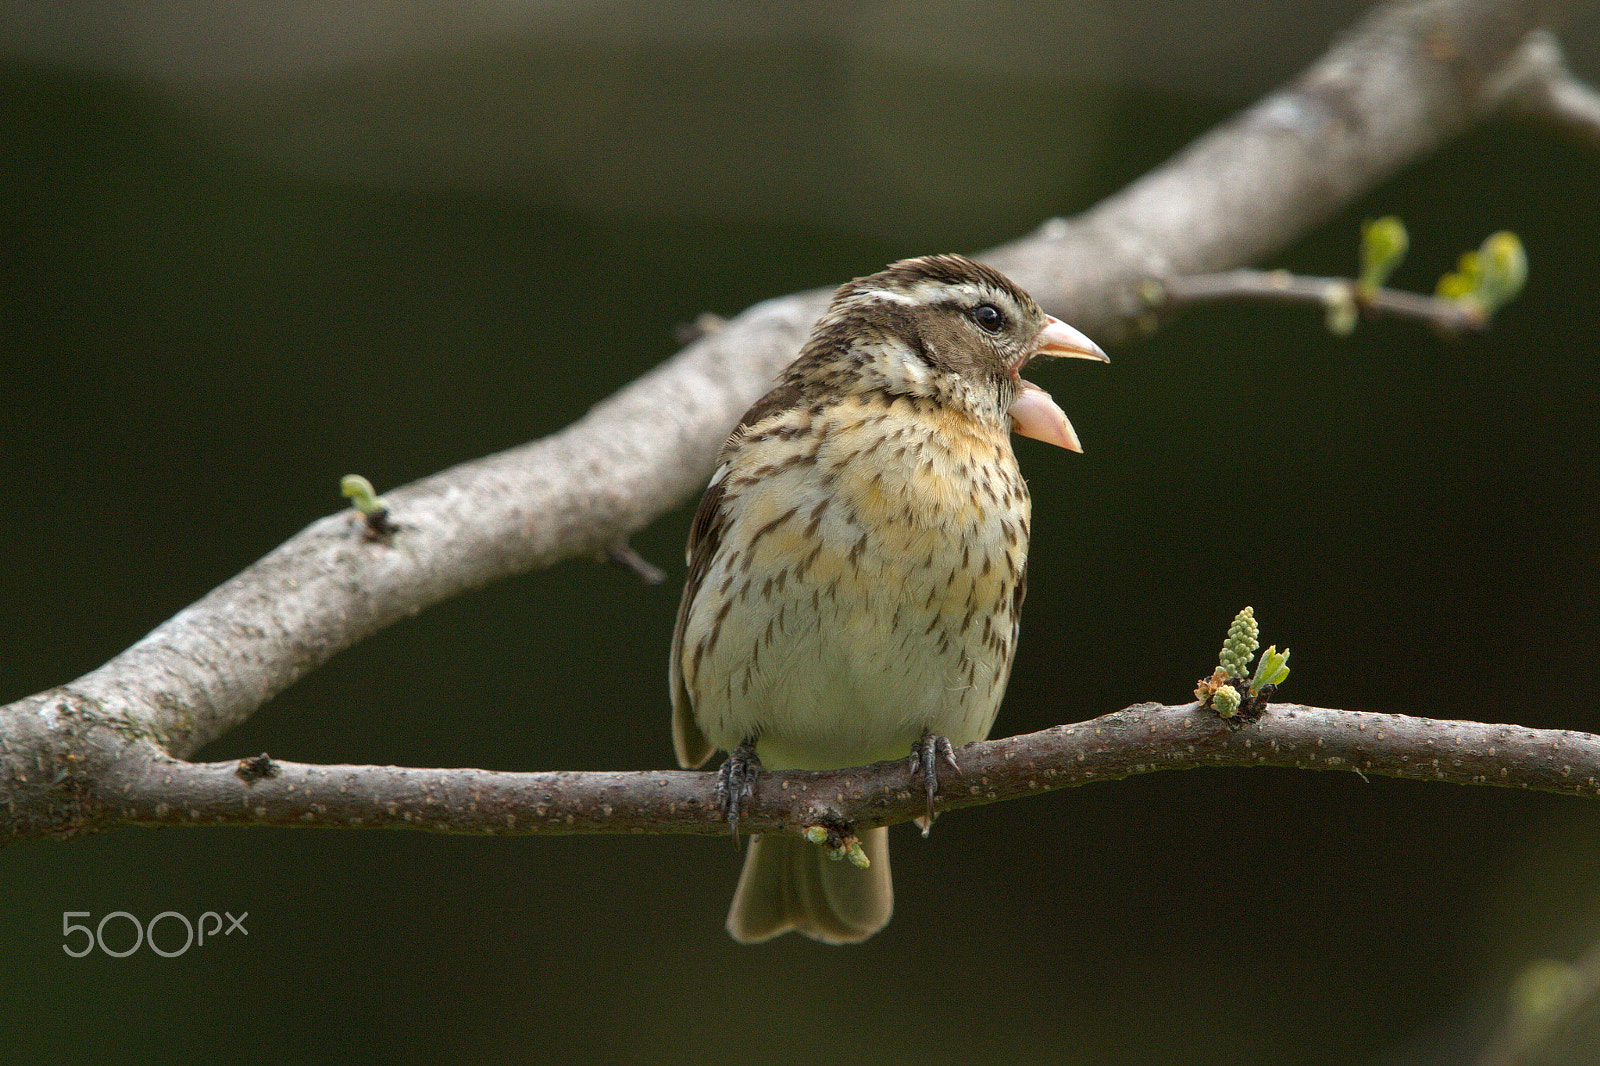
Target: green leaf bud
1383 245
1241 645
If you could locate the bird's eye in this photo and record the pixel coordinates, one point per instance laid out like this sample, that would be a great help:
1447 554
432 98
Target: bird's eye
988 317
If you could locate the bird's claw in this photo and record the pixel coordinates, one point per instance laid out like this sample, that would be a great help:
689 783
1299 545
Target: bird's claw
926 755
736 783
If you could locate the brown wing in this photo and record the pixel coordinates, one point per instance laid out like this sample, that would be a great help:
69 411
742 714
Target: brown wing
691 745
1018 594
705 538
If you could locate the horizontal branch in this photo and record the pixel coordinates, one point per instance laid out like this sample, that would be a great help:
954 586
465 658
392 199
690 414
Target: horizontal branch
1448 317
1141 739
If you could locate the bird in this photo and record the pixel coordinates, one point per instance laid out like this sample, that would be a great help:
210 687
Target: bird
857 564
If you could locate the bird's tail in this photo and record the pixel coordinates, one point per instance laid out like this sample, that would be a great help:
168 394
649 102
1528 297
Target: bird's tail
789 883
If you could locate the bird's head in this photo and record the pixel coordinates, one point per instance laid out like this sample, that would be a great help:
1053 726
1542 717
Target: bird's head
953 331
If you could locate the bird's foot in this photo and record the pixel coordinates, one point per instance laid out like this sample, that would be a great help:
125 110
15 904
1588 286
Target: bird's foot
736 783
926 755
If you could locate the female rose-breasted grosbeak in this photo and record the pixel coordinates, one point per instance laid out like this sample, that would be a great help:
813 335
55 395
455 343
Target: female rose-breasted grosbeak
856 567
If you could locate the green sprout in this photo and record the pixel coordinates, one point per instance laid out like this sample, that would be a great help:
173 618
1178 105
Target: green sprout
1221 692
361 494
856 853
374 508
1241 645
839 848
1343 310
1383 246
1487 279
1270 670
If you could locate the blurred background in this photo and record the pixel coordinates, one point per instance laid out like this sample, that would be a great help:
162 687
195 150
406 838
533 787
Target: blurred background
252 247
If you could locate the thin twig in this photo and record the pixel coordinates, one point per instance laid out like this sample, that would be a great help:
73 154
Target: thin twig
1448 317
623 554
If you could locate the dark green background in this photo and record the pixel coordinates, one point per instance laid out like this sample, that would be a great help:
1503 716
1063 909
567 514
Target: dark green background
221 296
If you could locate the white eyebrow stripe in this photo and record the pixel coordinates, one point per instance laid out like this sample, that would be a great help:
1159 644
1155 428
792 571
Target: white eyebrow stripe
940 292
891 297
931 293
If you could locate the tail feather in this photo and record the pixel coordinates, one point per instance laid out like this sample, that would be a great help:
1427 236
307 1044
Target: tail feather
788 883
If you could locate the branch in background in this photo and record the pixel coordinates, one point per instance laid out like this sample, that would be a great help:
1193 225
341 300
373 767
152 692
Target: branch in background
1449 317
1544 91
1141 739
1409 77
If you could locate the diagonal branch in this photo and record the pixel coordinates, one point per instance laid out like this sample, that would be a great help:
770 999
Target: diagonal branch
1543 90
1141 739
1407 78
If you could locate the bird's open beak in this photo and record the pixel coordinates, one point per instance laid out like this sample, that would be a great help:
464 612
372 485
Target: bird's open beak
1059 339
1033 413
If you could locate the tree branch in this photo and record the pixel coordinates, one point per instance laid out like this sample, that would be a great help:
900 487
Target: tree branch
1543 90
1409 77
1449 317
1405 80
1145 738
